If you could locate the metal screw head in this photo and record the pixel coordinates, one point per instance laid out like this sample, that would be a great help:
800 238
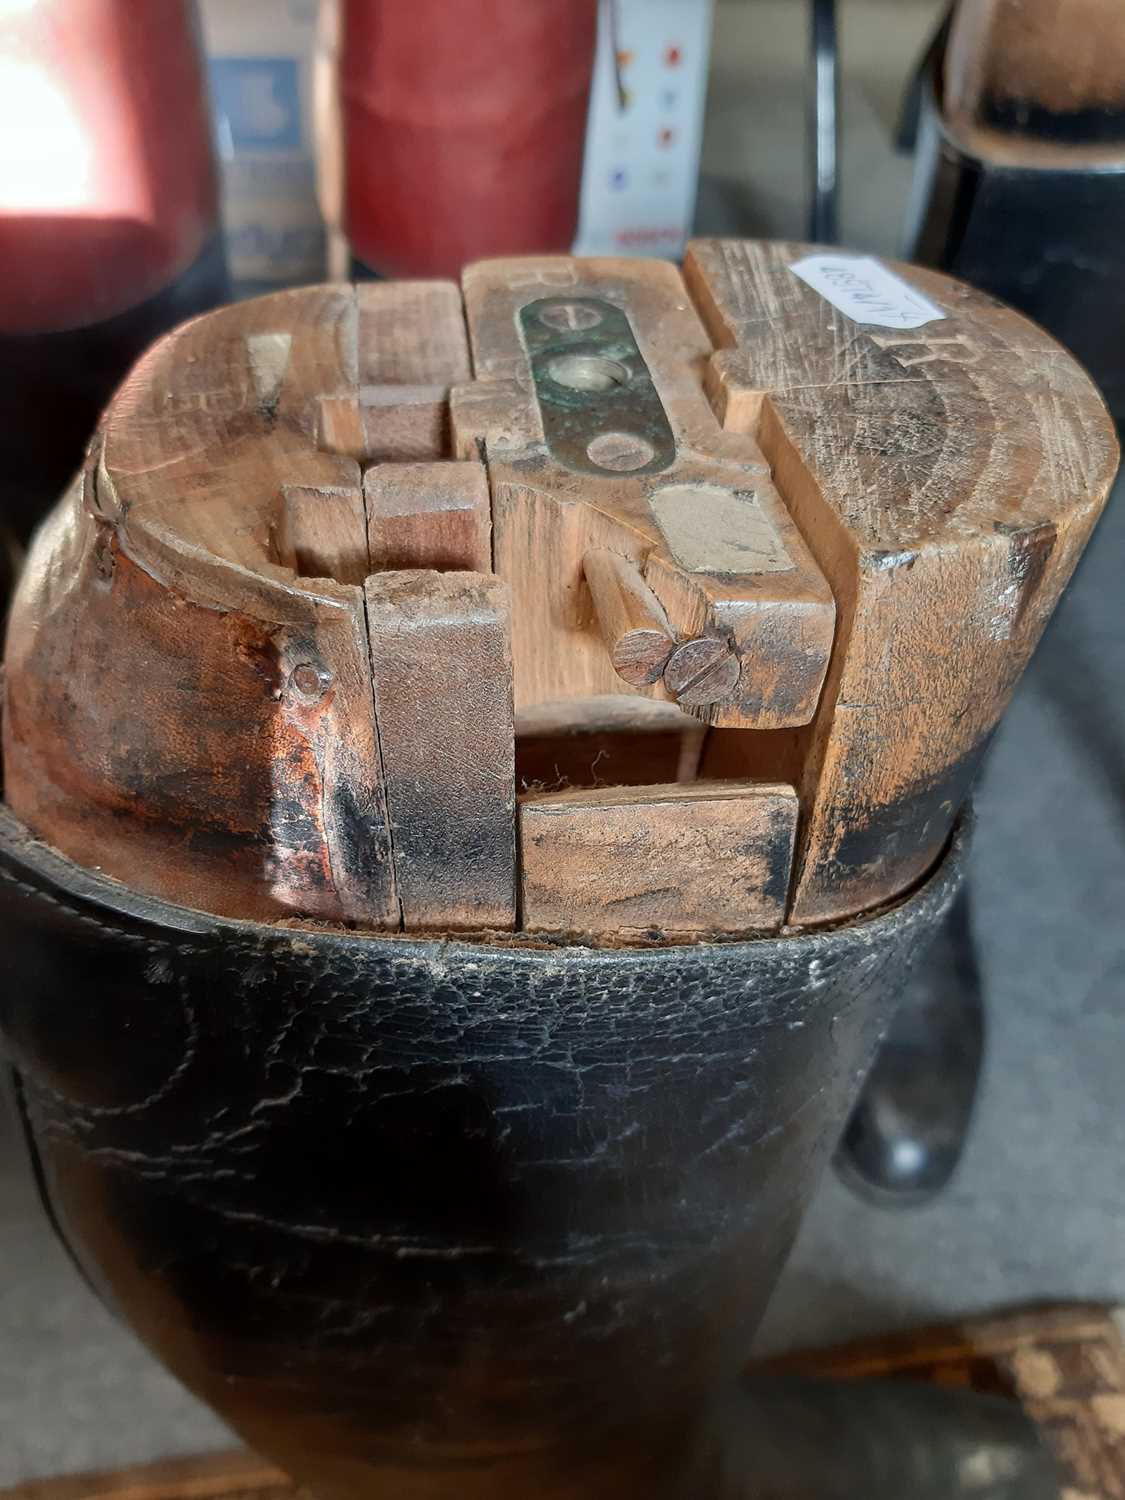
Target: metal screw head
702 671
308 681
569 316
620 451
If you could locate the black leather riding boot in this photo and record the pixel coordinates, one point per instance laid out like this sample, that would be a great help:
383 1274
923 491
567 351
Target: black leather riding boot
469 1219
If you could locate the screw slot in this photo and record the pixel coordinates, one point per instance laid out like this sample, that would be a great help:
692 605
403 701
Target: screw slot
702 671
587 372
569 316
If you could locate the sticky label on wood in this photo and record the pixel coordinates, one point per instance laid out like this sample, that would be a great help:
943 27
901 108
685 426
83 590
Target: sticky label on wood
709 529
269 360
864 290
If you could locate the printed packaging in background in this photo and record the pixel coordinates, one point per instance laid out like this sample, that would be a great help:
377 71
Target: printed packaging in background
260 62
646 121
642 147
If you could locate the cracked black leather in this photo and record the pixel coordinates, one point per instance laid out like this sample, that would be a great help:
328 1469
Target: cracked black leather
428 1218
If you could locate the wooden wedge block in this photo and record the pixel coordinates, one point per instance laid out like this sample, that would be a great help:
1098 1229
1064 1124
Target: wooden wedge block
411 333
434 515
322 533
441 669
412 349
409 349
708 857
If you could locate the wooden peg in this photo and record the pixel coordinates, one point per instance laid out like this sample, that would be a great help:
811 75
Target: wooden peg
702 671
636 629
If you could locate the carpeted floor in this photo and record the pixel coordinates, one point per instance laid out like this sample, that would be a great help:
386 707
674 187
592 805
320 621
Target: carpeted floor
1038 1211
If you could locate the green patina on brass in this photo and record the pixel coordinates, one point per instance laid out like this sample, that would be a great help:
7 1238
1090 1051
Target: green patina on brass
601 412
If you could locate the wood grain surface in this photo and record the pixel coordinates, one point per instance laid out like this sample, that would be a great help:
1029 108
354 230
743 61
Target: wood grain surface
947 479
441 656
546 517
259 661
708 857
637 632
431 515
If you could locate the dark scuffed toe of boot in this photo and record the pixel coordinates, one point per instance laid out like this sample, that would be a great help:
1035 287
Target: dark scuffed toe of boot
907 1134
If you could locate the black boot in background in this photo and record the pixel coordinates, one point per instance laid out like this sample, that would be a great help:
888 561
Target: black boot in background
907 1133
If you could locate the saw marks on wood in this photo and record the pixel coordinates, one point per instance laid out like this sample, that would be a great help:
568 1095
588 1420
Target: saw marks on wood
947 478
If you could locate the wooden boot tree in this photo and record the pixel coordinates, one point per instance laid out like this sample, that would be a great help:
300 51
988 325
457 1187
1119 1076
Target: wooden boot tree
538 675
594 599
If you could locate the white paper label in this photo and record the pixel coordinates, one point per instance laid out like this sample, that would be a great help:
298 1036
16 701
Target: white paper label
864 290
